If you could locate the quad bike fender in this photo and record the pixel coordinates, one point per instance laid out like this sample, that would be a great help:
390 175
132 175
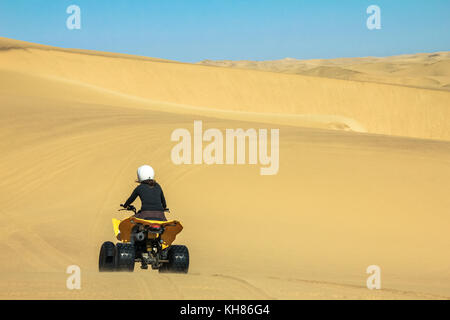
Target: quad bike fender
169 235
116 223
122 229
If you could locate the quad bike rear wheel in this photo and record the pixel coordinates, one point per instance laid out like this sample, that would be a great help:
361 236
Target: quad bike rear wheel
125 255
106 261
178 257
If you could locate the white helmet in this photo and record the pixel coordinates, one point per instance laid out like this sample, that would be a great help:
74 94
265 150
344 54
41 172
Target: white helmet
145 173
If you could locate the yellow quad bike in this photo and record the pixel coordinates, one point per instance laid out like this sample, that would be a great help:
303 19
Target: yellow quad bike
146 241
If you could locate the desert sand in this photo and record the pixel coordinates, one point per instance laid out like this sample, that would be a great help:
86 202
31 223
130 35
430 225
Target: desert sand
421 70
364 179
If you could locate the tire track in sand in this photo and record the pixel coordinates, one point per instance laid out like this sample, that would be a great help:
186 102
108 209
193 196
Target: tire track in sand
353 286
247 285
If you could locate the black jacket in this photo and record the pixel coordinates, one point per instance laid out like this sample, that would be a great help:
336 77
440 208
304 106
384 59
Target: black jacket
152 197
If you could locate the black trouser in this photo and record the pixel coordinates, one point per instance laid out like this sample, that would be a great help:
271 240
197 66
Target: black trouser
151 215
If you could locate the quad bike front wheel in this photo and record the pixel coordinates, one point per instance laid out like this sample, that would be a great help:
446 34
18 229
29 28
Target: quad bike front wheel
178 257
106 261
124 259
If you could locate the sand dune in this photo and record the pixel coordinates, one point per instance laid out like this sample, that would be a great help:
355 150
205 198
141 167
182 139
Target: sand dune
423 70
75 125
377 108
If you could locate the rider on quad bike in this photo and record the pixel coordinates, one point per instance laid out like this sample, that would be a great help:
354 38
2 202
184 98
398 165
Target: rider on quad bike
147 236
151 195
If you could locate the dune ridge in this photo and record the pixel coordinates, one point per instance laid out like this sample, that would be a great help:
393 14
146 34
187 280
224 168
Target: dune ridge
421 70
378 108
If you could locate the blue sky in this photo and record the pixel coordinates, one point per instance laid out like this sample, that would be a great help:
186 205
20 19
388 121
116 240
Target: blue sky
192 30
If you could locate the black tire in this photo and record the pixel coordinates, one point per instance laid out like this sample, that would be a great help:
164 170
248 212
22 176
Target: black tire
106 260
125 255
178 257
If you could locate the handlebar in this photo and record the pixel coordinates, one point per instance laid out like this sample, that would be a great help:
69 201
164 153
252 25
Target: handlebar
129 208
133 208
